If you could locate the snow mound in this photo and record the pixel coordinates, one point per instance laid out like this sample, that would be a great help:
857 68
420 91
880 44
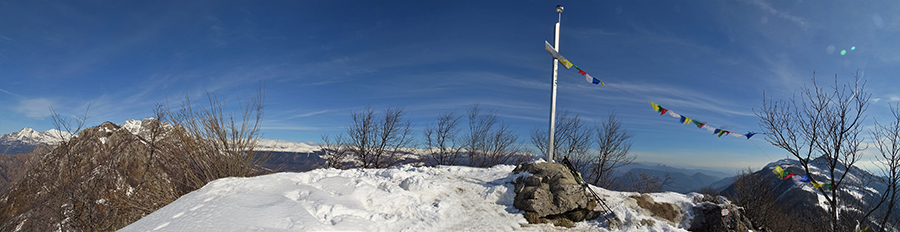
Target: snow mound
405 198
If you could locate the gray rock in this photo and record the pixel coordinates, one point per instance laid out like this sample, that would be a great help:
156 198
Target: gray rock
719 217
552 192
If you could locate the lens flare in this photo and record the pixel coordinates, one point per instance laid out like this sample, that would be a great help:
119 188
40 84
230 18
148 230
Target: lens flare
829 49
852 48
843 52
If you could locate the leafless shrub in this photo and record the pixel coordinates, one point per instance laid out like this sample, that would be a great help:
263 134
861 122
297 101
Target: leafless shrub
489 141
378 143
572 139
335 151
442 144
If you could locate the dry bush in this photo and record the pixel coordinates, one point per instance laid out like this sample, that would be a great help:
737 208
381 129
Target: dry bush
107 177
572 139
442 144
489 141
370 142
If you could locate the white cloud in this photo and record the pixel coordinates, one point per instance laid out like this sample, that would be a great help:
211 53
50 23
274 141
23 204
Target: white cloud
894 98
10 93
35 108
771 10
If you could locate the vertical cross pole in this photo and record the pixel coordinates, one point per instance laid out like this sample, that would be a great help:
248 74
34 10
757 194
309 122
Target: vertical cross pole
551 143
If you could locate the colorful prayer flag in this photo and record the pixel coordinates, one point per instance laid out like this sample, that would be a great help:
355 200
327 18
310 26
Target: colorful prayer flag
699 124
685 120
674 115
720 132
655 106
789 175
778 171
565 62
749 134
802 179
595 80
581 71
816 184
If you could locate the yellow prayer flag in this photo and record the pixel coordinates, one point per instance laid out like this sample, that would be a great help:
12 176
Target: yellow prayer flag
655 106
778 171
565 62
816 184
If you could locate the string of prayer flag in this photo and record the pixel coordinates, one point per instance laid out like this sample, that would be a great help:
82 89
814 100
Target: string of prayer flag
784 175
565 62
686 120
662 111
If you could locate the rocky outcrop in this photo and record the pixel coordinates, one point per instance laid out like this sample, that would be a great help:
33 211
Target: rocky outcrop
552 195
724 216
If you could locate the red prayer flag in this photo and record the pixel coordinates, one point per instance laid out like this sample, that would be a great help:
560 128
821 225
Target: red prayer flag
789 175
582 72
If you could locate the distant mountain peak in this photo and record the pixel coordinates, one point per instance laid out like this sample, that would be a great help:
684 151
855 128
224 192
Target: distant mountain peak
31 137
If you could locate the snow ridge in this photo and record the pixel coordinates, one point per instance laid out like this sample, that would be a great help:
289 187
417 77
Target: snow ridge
404 198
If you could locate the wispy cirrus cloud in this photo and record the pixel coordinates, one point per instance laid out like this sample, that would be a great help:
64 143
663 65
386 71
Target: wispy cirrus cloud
765 6
38 108
10 93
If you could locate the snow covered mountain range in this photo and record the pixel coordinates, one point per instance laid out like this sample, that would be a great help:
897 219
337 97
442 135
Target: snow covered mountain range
27 139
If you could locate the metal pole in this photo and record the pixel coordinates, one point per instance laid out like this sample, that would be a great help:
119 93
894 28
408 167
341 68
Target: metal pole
550 146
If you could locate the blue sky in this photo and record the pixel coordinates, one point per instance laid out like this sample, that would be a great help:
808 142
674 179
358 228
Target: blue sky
322 60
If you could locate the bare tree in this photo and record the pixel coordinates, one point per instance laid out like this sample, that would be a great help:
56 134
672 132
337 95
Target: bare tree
442 144
887 141
489 141
572 140
822 123
336 152
613 146
378 143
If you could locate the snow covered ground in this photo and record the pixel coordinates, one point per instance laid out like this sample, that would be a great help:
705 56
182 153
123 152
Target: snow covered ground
405 198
